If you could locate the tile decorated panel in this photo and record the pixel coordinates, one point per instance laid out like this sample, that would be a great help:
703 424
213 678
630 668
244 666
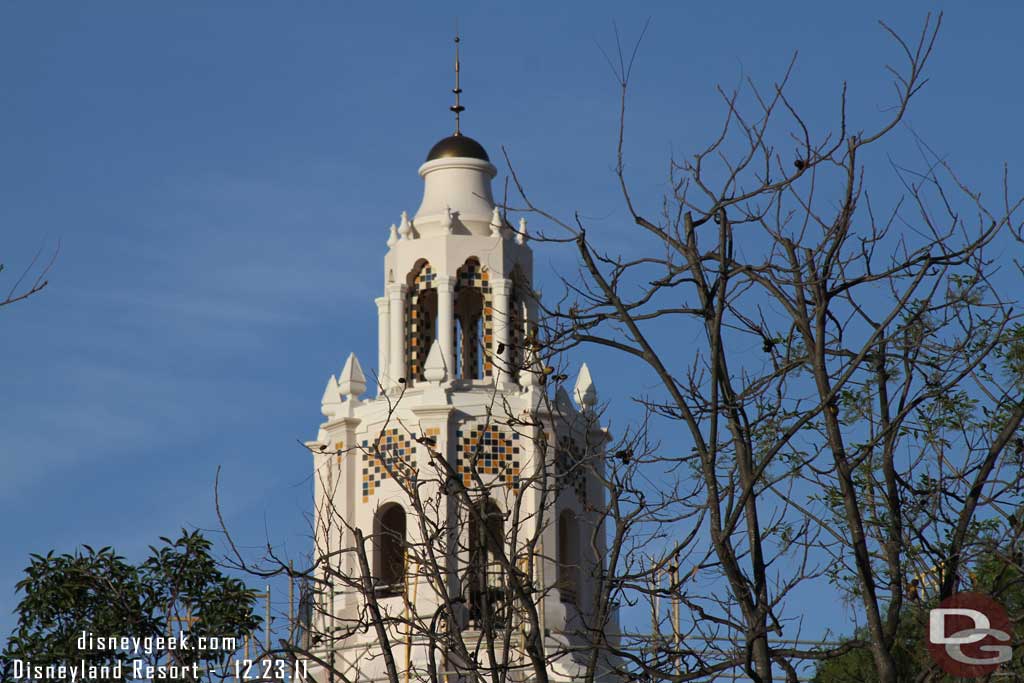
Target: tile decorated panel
570 469
394 452
432 436
494 451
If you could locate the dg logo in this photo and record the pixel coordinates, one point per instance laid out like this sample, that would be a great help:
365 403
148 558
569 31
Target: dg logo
969 635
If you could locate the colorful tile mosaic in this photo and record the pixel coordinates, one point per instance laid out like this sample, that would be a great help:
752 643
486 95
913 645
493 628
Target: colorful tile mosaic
433 436
570 470
394 452
493 452
421 308
471 274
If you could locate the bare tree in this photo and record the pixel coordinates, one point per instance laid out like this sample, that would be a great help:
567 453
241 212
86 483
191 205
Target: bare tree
472 543
853 385
850 408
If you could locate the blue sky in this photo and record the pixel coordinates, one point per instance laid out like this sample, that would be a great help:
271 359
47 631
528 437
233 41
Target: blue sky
221 178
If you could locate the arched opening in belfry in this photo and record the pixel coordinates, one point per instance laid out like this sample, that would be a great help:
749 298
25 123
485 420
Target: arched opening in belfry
486 575
389 559
514 356
420 319
468 334
473 321
568 556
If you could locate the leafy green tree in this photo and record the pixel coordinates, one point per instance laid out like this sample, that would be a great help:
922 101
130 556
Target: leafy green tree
177 588
857 665
995 573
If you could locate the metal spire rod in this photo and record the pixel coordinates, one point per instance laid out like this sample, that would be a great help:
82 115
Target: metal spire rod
457 107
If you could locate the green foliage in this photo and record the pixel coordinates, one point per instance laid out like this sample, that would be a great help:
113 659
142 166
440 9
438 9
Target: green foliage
994 574
185 575
66 594
858 666
1011 352
97 591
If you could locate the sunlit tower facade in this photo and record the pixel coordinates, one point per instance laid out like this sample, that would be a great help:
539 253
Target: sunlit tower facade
455 488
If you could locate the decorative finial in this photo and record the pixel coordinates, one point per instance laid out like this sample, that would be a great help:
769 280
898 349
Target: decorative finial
352 381
496 222
433 368
393 237
404 227
584 391
446 220
457 107
522 234
330 404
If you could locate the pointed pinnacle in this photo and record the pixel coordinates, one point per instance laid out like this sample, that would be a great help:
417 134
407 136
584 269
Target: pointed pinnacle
405 227
352 381
521 235
584 391
433 368
496 222
331 402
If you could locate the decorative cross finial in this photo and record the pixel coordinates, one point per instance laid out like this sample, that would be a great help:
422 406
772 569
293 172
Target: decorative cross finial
457 107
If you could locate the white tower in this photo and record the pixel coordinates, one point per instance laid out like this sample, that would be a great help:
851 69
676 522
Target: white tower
457 511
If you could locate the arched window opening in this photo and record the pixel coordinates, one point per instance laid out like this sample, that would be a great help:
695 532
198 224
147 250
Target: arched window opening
473 321
486 544
568 556
389 565
424 317
421 318
515 355
468 322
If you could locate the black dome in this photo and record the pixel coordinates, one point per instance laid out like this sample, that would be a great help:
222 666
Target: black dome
458 146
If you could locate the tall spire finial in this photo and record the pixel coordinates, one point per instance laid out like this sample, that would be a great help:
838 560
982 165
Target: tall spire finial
457 107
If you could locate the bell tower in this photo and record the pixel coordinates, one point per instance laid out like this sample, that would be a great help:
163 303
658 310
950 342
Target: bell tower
458 502
456 276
